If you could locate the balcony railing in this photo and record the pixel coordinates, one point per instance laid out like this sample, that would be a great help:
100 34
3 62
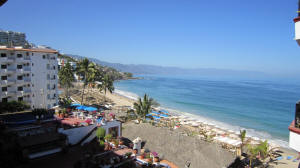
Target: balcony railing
27 68
27 79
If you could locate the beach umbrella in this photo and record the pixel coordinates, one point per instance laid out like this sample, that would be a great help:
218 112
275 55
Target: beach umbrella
164 111
164 115
91 109
75 104
156 117
80 107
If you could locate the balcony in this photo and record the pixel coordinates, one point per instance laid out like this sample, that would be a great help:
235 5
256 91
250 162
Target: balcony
7 70
27 68
23 92
27 79
8 82
7 59
23 60
8 93
20 81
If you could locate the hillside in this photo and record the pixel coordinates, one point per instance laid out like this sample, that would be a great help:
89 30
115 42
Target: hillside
153 69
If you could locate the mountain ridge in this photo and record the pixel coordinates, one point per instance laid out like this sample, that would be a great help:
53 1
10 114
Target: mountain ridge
169 70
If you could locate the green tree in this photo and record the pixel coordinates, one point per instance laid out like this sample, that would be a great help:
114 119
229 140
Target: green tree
242 137
107 84
143 106
66 77
87 70
253 152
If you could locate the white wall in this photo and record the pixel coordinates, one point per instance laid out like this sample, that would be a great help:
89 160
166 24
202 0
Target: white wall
113 124
294 141
297 32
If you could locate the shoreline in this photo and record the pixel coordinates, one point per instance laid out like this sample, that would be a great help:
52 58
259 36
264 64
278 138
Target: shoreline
117 100
251 133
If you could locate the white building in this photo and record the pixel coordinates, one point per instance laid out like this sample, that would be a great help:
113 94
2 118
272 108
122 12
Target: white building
29 75
294 128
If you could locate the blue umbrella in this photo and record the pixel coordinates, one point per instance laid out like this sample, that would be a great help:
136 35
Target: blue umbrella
163 115
156 117
91 109
154 112
80 107
75 104
164 111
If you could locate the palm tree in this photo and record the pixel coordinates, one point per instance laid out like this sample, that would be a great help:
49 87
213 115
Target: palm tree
143 107
106 85
242 137
66 77
86 69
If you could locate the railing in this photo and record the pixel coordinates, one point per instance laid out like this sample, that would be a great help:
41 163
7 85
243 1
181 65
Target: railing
27 69
27 79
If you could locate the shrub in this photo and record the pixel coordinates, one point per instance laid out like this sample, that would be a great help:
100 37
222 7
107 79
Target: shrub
100 133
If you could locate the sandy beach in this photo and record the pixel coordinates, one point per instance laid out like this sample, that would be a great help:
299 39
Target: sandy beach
174 145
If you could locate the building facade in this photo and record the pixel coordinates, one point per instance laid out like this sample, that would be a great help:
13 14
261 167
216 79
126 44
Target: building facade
29 75
10 38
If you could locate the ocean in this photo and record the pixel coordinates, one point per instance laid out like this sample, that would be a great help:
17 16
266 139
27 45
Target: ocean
265 108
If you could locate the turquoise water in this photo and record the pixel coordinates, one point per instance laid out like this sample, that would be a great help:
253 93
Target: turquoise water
264 108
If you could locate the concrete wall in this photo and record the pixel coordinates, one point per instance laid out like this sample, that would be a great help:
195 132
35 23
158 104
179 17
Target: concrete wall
294 141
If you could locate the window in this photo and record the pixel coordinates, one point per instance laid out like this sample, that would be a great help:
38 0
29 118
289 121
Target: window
32 74
48 76
3 55
32 64
54 104
48 96
20 77
48 86
54 95
44 56
19 55
12 53
19 66
54 86
20 88
3 66
4 99
48 66
54 67
32 85
54 77
4 89
20 98
3 77
27 53
32 54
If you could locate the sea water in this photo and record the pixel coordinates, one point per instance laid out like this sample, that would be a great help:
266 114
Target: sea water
265 108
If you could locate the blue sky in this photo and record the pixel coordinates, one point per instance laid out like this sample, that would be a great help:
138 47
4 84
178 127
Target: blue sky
232 34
